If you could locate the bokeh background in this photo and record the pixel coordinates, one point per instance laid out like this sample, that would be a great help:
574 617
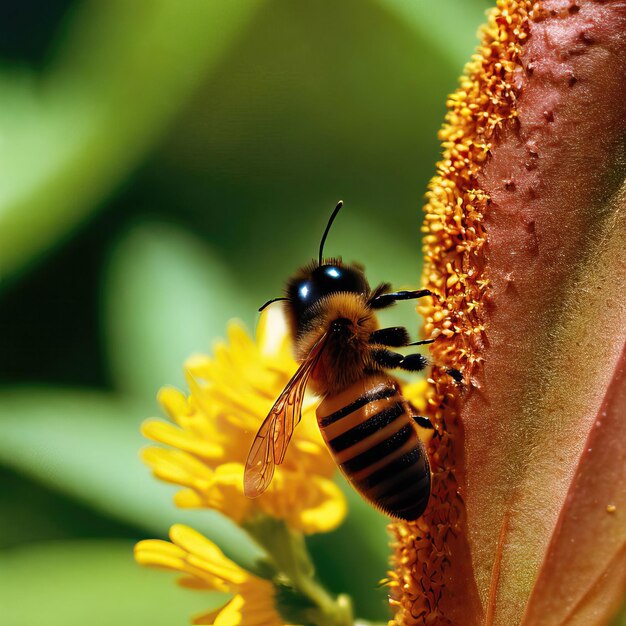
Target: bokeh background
165 164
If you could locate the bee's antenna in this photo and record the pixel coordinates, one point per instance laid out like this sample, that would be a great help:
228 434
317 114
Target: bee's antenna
270 302
330 223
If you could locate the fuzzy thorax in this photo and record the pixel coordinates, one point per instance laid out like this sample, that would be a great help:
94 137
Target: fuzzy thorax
349 322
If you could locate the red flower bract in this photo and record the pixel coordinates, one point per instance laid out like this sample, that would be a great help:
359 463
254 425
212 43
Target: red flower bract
526 224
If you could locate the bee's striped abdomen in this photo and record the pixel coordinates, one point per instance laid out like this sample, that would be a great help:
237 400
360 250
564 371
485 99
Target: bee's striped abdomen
370 430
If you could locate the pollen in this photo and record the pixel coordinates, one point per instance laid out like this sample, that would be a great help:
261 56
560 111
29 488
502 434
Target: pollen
427 552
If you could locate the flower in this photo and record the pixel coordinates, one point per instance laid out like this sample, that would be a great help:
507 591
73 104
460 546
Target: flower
231 393
454 244
523 245
204 567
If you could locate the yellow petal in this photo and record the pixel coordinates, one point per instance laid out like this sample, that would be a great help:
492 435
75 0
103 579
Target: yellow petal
330 511
223 493
416 393
205 555
271 332
165 555
158 553
163 432
308 503
250 610
207 618
177 467
173 401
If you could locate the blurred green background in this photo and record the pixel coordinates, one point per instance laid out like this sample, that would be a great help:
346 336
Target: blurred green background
165 164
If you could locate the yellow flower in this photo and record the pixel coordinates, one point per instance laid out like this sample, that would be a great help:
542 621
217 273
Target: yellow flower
208 443
231 393
204 567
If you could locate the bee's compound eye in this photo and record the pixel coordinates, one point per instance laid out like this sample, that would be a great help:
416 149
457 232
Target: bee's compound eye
333 272
306 293
340 278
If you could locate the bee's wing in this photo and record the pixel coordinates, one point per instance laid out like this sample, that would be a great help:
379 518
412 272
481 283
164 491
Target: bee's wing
270 444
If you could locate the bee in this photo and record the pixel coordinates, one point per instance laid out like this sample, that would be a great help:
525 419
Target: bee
370 428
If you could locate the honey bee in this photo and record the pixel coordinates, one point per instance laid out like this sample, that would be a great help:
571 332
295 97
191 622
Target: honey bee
370 428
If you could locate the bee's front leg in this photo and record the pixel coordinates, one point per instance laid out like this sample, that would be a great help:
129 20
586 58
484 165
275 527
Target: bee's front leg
383 300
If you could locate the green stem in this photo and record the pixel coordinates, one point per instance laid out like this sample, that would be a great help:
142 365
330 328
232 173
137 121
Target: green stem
297 590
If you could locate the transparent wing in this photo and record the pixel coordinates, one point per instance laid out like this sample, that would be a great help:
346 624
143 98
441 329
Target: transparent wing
270 444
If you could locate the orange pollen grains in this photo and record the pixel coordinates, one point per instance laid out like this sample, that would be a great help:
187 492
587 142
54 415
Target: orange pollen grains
430 555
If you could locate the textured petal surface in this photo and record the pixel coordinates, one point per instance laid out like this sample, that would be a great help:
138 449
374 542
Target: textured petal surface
593 519
525 229
556 321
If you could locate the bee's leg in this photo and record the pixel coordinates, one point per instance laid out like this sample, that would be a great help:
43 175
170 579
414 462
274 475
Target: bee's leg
383 300
422 421
456 376
410 362
422 342
396 336
414 363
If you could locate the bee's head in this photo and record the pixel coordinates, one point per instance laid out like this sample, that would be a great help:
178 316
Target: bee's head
306 288
321 278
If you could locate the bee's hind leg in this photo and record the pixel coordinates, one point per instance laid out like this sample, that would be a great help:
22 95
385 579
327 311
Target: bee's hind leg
456 376
423 422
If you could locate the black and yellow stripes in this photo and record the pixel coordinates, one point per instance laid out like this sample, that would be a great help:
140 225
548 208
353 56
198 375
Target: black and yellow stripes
370 430
379 451
369 396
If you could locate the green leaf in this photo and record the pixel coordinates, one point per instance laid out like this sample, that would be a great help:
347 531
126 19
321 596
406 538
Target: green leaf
29 512
122 71
91 582
166 297
86 445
